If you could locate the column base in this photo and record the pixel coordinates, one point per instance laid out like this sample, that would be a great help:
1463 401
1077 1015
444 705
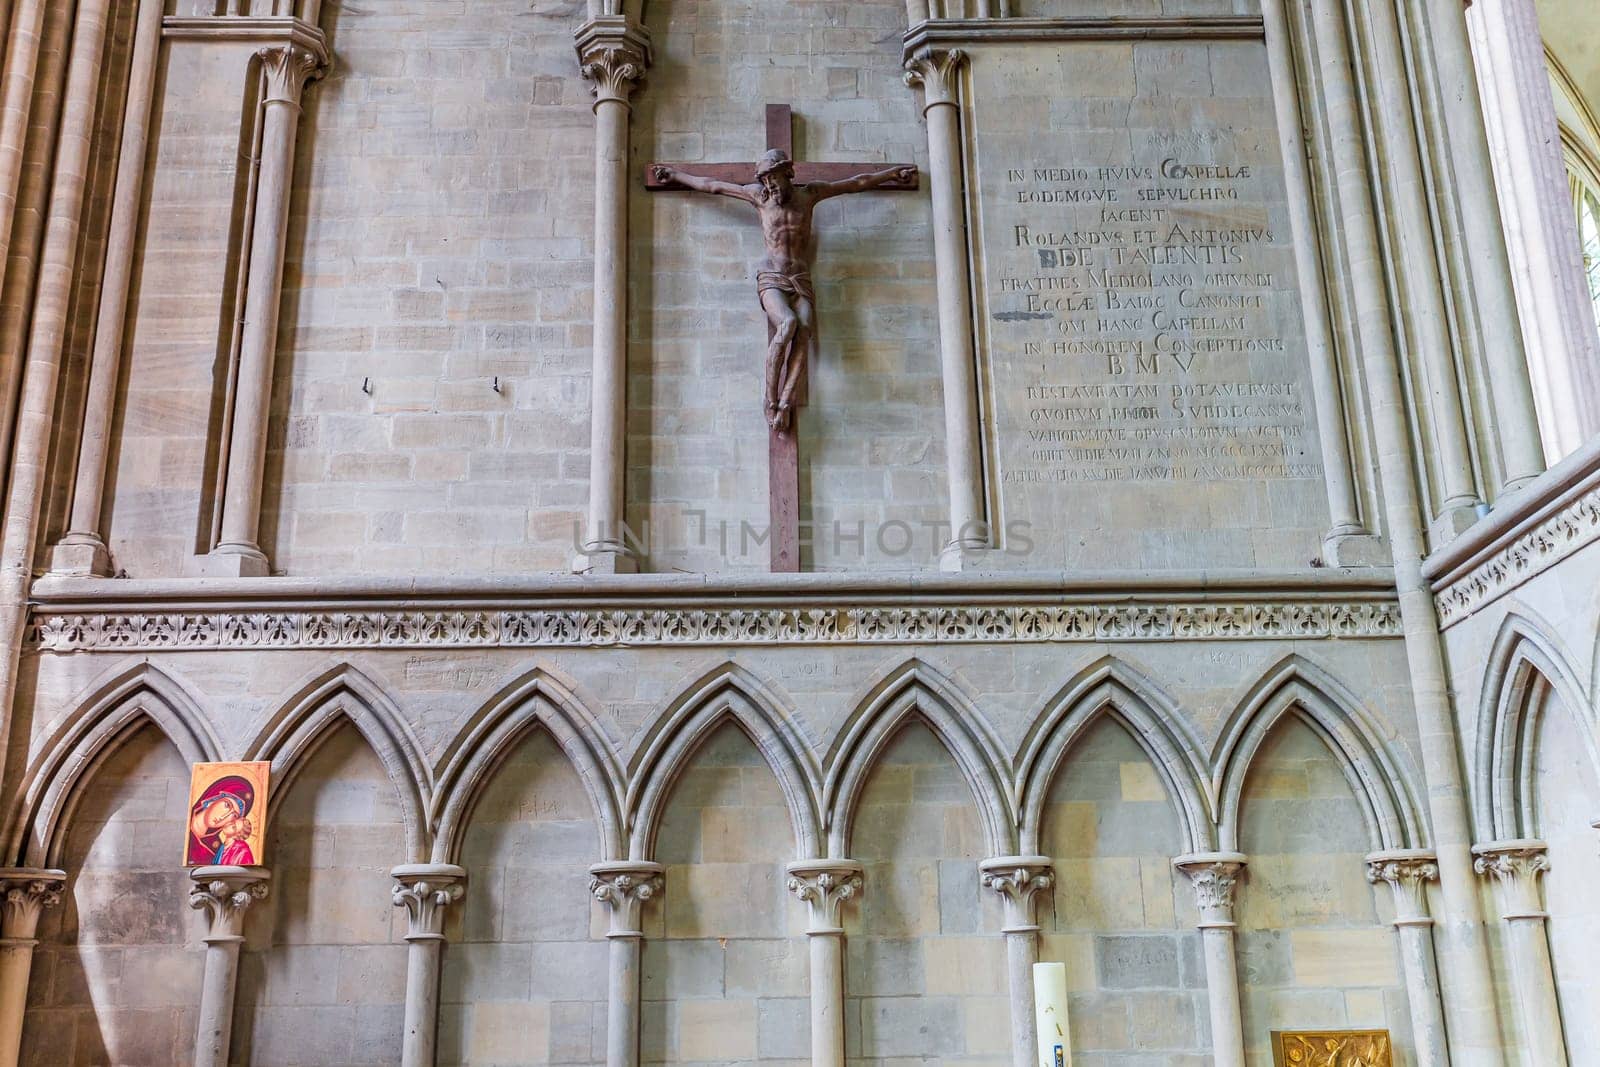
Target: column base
231 561
599 560
1361 549
80 556
968 559
1454 521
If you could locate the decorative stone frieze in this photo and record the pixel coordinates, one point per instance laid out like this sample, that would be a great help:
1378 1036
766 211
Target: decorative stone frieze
1516 867
601 627
1019 880
625 888
825 885
1408 873
1214 877
426 890
1526 555
225 894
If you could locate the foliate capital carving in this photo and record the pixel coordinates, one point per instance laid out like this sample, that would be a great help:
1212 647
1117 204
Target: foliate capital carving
625 888
613 70
1408 872
1019 880
1516 867
824 886
225 894
287 68
938 71
613 54
1214 876
426 890
24 894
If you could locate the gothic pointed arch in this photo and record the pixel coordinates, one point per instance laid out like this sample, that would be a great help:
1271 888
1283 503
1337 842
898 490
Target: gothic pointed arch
1527 664
343 693
916 690
1111 688
73 745
726 693
1380 780
536 700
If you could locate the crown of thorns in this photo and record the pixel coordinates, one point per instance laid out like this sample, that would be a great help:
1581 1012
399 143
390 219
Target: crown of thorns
775 159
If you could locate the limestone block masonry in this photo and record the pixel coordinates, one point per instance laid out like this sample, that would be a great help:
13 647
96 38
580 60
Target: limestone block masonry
1179 596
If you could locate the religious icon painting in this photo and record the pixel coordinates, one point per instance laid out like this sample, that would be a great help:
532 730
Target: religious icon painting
227 815
1332 1048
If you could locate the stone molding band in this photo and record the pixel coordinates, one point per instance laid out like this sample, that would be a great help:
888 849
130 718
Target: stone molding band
1543 524
50 631
946 32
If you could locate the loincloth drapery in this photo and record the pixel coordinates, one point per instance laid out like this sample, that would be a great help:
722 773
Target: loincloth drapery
797 284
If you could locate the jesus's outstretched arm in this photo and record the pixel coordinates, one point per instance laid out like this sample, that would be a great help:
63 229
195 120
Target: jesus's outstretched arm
862 182
664 173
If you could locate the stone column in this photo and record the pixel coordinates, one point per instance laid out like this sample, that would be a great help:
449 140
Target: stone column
824 885
1214 876
24 894
1536 208
425 890
225 893
624 888
1463 955
1516 867
1408 872
613 54
81 551
939 74
1442 33
16 107
1019 880
286 69
1347 540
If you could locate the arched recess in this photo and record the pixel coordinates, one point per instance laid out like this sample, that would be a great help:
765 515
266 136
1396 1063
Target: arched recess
1527 663
1295 686
72 746
1110 688
914 689
728 692
304 720
534 700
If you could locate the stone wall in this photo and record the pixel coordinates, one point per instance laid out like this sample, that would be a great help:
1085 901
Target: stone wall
523 979
724 959
116 977
1122 917
1313 946
321 979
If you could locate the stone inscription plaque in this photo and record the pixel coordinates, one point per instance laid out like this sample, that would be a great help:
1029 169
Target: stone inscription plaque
1145 370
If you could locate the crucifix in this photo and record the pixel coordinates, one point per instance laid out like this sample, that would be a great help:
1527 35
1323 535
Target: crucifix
783 193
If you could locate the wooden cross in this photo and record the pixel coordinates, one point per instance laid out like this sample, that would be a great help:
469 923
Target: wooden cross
783 448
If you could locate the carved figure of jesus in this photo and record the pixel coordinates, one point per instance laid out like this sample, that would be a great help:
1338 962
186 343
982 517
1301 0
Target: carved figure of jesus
783 277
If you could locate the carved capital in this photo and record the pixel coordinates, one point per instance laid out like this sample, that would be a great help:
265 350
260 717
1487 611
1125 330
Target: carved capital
1408 872
24 894
225 894
613 54
1019 880
1516 867
625 888
938 71
824 885
425 890
1214 876
287 68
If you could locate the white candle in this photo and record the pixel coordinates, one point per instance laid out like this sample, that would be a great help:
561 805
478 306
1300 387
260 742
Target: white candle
1050 1014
